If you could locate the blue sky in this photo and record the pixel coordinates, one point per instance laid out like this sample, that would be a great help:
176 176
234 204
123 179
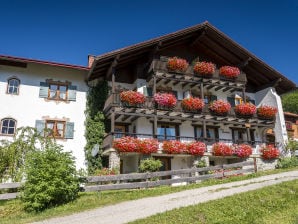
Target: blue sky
68 30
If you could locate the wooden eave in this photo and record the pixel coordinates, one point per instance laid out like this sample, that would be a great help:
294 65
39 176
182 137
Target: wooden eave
204 38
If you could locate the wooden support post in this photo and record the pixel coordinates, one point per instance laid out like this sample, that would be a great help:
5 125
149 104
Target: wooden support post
113 85
204 130
155 126
113 122
243 95
154 85
202 90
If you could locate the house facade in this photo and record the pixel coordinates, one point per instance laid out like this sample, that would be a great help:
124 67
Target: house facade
292 125
144 68
44 95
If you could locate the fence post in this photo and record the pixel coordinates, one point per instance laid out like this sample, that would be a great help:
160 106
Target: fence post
255 165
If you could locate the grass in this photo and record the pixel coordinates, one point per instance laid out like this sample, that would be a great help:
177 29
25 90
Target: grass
273 204
12 211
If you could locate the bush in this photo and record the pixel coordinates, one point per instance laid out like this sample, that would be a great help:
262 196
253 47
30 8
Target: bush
287 162
51 179
150 165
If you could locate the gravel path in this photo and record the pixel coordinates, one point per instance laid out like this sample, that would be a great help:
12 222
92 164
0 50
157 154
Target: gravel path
131 210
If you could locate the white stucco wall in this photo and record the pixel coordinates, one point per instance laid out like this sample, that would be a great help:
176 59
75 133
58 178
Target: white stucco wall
27 107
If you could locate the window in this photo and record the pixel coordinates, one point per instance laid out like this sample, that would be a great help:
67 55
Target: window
57 128
57 92
211 132
166 131
60 129
13 86
61 91
8 126
209 98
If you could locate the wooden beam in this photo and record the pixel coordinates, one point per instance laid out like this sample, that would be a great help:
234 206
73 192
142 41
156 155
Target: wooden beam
273 83
112 66
198 38
244 63
218 88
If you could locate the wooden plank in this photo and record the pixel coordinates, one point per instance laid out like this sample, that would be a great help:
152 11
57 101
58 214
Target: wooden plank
245 163
10 185
8 196
241 171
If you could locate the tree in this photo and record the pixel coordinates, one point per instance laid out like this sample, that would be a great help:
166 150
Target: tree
289 102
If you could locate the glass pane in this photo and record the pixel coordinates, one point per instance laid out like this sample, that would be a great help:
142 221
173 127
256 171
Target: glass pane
53 87
62 88
160 133
11 131
171 133
50 125
11 123
63 95
210 133
10 89
5 122
52 94
4 130
199 133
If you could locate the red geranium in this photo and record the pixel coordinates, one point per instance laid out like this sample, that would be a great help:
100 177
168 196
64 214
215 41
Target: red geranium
173 147
192 104
266 112
269 152
229 71
132 97
221 149
177 64
147 146
242 150
165 99
220 107
196 148
246 109
126 144
204 68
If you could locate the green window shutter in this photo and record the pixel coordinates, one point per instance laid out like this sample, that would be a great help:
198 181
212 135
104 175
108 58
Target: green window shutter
69 129
231 100
72 93
40 126
147 91
213 97
43 90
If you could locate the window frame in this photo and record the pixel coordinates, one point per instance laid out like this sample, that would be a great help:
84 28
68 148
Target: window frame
55 128
8 127
58 84
8 86
166 137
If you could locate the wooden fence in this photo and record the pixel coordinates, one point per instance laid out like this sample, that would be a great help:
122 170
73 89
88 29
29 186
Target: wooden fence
146 180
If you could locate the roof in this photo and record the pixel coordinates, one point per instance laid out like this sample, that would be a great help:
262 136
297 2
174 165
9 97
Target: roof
21 62
204 37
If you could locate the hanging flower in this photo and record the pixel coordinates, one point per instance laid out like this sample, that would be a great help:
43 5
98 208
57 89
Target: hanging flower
132 97
173 147
126 144
165 99
229 71
177 64
147 146
204 68
221 149
245 109
220 107
192 104
269 152
266 112
196 148
242 150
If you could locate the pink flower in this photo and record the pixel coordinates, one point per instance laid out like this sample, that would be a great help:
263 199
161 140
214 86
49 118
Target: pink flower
176 63
221 149
204 68
229 71
165 99
196 148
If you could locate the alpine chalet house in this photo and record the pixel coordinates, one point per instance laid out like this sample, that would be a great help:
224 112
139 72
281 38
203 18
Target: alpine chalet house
44 94
189 95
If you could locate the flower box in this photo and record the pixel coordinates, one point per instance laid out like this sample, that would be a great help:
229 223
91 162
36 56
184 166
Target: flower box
165 100
132 98
219 107
246 110
266 112
221 149
173 147
242 150
191 104
126 144
196 148
206 69
269 152
229 72
148 146
177 64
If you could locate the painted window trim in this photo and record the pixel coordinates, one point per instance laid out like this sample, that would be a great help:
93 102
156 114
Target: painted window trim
1 124
8 86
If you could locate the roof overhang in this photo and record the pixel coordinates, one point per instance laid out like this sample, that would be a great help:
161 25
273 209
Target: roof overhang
204 36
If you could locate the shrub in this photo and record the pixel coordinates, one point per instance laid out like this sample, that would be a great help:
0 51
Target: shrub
150 165
51 179
287 162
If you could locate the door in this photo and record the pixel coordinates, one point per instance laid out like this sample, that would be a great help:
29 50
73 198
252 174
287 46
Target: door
166 165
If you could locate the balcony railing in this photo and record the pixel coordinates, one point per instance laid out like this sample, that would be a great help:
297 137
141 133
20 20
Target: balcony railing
108 140
114 101
161 65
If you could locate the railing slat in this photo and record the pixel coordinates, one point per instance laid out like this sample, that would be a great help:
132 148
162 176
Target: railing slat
10 185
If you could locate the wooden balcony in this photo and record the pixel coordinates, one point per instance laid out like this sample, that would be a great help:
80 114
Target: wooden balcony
190 79
124 113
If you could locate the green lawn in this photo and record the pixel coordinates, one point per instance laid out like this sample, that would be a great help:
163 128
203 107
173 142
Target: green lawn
274 204
12 211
